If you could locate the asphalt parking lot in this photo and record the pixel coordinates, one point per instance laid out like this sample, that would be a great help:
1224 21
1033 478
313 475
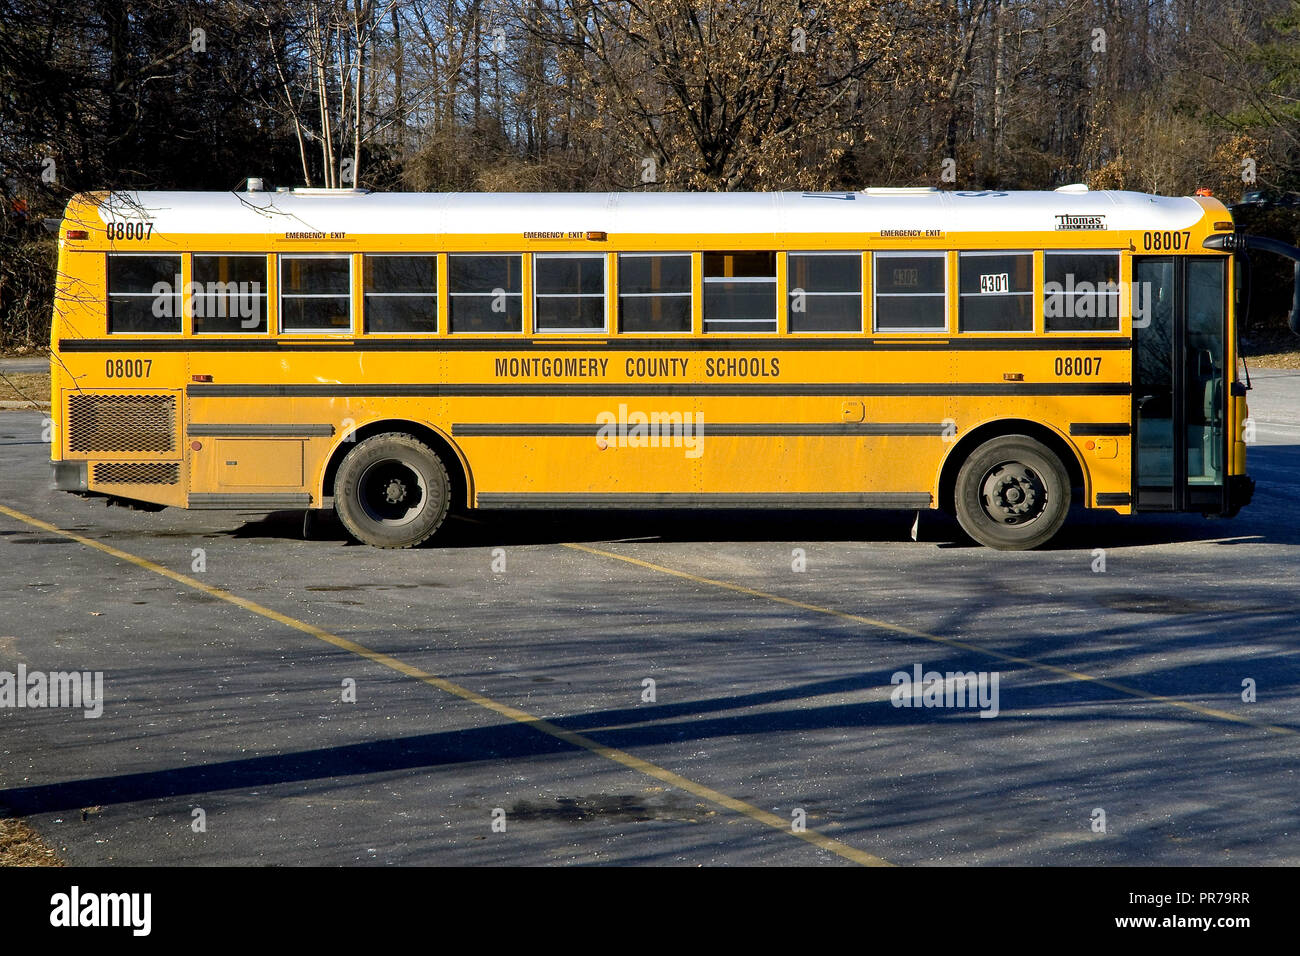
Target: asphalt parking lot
500 678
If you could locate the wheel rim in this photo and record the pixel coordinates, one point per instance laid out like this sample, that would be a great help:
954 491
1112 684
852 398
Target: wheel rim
1012 493
392 493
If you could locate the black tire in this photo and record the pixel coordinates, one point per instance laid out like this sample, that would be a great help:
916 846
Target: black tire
392 491
1012 494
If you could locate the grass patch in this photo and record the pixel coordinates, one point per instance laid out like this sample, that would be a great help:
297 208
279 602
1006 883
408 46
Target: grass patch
1278 359
1272 348
20 386
21 846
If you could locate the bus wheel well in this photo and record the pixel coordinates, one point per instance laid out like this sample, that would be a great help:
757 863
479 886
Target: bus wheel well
456 468
1006 426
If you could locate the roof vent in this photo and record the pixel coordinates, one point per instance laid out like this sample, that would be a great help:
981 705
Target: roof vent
254 184
1073 188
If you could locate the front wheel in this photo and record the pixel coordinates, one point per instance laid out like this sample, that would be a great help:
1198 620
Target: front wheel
1012 494
392 491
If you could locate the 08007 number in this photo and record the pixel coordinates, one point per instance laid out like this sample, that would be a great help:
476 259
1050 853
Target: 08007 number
1078 365
127 368
1166 241
129 230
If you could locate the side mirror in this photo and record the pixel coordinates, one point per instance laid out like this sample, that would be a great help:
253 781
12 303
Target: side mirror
1232 241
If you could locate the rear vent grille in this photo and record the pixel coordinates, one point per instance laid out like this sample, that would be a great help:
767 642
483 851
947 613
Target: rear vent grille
131 423
136 473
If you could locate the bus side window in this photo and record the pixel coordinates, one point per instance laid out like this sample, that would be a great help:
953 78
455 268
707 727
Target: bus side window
230 294
401 293
144 293
1081 291
570 292
911 290
825 291
995 292
485 293
654 292
315 293
739 292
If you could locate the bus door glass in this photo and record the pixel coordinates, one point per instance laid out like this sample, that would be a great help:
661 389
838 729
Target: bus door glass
1179 390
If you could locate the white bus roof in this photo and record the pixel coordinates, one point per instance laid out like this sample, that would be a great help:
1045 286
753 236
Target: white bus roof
867 211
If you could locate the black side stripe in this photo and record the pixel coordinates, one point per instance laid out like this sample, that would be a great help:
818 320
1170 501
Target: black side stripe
615 390
260 431
1100 428
529 429
616 344
252 502
894 500
1108 499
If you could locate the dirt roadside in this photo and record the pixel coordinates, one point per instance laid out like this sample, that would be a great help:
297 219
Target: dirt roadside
21 846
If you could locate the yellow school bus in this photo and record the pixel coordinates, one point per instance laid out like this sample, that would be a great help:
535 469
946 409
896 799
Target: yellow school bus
999 355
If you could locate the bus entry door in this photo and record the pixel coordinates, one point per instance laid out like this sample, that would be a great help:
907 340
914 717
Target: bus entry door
1179 388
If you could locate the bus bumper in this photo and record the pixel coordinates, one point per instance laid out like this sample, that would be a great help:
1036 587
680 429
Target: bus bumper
69 475
1241 488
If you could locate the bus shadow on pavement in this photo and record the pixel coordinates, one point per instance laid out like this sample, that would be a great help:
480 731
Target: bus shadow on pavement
1085 528
938 793
493 528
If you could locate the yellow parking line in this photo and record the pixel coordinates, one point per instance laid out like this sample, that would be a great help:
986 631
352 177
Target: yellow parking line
946 641
819 840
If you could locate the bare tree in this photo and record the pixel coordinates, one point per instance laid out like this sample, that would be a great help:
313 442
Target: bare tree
724 95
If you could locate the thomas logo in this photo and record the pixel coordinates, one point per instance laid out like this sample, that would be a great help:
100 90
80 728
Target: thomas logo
1080 222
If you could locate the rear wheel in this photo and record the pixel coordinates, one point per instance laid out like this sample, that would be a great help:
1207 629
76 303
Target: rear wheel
1012 493
392 491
